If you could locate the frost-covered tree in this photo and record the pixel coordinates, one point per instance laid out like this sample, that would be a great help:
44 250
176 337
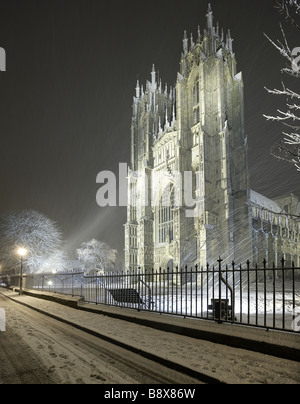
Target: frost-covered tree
288 148
35 232
97 256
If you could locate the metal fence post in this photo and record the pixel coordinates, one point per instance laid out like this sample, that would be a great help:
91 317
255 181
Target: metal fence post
220 290
283 293
96 286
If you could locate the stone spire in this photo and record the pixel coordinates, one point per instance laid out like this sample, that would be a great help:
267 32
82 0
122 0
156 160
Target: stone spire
153 75
218 30
210 19
138 89
192 42
199 34
229 42
173 116
185 44
167 119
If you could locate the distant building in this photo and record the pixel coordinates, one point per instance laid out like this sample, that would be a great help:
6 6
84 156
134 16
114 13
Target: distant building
198 128
275 225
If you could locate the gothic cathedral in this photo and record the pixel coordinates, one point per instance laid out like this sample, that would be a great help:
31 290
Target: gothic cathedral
189 146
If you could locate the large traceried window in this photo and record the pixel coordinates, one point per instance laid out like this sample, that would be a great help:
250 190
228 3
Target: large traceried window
196 97
166 216
196 94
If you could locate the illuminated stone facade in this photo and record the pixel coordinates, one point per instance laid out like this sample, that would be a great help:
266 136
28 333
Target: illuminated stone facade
195 128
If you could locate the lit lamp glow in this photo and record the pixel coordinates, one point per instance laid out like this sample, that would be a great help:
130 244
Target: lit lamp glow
22 252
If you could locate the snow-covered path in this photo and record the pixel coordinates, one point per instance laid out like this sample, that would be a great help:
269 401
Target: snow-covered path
36 349
64 358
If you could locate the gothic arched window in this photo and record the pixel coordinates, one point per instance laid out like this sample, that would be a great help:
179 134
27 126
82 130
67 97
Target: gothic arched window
166 217
196 97
195 116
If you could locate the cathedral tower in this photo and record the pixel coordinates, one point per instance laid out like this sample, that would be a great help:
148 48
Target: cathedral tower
192 132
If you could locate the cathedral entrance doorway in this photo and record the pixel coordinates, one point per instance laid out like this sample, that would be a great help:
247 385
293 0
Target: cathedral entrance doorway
170 268
170 265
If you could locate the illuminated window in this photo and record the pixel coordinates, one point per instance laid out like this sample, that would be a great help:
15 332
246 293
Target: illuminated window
166 217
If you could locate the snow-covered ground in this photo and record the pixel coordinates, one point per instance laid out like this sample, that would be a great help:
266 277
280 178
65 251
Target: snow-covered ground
261 304
225 363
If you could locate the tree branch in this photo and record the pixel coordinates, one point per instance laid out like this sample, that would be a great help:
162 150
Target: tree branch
283 8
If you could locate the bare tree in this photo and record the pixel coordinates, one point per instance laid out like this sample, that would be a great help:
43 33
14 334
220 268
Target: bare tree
97 256
35 232
288 148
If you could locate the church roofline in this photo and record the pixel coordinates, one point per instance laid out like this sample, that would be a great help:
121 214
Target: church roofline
291 195
264 202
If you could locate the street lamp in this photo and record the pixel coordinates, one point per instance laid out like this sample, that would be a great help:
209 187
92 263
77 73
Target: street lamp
22 252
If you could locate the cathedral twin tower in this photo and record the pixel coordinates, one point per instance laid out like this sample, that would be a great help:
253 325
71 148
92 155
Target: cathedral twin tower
196 128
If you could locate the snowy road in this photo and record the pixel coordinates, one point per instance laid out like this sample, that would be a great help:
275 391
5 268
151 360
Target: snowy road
39 348
36 349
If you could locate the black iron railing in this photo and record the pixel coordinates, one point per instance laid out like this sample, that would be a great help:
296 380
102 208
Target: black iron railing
259 296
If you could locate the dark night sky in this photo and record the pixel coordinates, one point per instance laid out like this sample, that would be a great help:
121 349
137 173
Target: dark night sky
66 98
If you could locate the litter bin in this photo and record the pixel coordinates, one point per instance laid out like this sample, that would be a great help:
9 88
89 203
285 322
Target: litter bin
225 313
